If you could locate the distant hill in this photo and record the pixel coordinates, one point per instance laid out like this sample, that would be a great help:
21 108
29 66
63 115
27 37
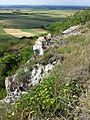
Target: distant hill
42 7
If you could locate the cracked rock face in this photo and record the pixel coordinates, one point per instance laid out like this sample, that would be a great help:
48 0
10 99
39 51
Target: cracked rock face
38 50
71 30
41 44
15 89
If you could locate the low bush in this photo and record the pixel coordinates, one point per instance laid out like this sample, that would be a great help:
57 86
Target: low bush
80 17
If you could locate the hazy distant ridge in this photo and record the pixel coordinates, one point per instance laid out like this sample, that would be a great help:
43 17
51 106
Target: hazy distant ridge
42 7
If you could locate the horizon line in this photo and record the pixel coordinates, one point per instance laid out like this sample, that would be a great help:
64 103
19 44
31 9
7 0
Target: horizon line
42 5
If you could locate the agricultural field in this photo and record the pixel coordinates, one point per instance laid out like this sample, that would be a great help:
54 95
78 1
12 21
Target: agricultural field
30 21
31 18
25 32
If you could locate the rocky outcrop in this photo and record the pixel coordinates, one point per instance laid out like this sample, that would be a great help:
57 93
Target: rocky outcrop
38 50
41 44
71 31
15 87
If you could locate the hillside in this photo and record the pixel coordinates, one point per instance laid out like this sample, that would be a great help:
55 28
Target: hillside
64 87
18 33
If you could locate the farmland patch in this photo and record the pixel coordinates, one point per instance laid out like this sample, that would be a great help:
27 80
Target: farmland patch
24 32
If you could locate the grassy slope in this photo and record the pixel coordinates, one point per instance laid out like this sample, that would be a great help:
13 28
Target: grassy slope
63 94
6 39
9 45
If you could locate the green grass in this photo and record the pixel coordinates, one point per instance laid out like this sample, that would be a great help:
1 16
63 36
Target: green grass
6 40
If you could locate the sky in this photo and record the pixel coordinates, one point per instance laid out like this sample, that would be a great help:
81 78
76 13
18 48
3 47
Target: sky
45 2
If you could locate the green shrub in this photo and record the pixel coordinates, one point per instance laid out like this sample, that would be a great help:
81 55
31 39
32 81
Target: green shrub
8 65
80 17
26 53
2 93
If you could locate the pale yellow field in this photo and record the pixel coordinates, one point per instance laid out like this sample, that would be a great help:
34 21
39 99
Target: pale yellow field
27 33
17 33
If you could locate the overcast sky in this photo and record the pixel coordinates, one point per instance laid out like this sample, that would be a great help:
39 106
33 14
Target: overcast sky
45 2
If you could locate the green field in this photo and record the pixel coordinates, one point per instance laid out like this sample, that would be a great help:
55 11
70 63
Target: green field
5 39
31 18
27 19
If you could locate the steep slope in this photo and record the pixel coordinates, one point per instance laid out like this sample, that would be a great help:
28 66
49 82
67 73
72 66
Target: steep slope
64 93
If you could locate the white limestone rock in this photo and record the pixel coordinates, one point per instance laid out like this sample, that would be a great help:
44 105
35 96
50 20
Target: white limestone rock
49 36
70 30
38 46
37 74
48 68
